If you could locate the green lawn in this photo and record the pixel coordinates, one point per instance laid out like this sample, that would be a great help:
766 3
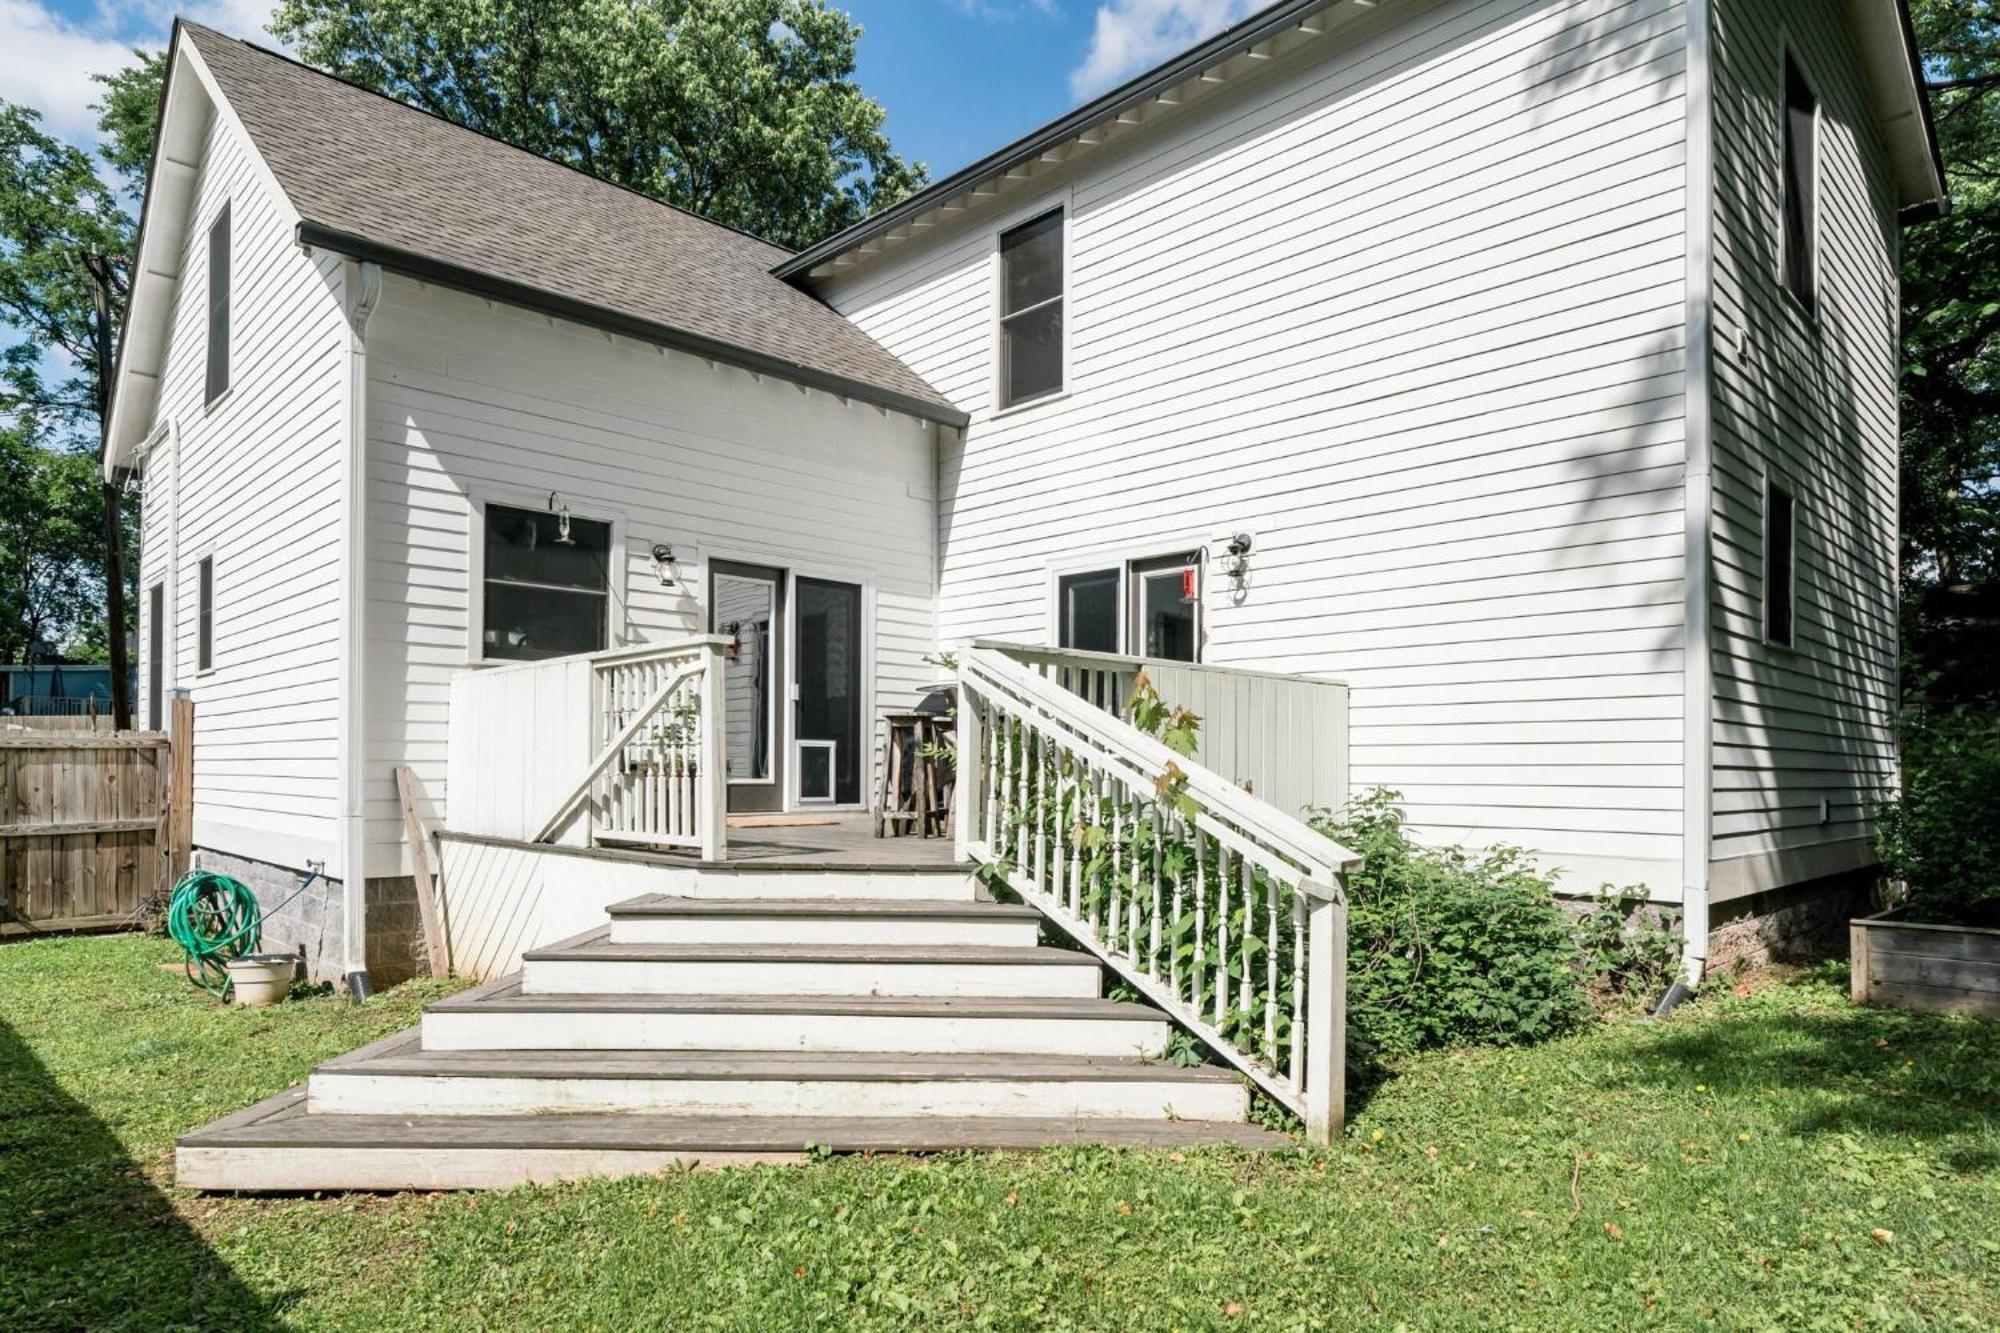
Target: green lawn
1776 1159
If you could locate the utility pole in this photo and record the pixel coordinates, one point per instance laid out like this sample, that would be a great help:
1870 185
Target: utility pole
114 515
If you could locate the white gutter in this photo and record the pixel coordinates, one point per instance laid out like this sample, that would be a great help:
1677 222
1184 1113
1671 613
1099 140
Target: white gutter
1697 680
362 286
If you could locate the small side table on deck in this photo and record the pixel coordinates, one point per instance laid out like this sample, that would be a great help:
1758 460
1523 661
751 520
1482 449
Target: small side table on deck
916 791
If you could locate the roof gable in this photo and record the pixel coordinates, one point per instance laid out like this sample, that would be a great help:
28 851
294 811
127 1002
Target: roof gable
368 176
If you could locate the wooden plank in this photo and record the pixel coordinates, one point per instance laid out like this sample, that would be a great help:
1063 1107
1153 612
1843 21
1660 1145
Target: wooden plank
1935 999
1965 974
180 788
60 741
1936 940
102 921
77 827
420 865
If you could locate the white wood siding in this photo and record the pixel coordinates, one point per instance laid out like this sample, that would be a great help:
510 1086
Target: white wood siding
259 476
471 402
1813 399
1407 306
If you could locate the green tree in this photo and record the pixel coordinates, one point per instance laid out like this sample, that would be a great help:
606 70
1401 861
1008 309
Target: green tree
51 547
65 244
745 111
1951 313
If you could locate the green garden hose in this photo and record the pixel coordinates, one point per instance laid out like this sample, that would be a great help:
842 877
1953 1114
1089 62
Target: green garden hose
214 919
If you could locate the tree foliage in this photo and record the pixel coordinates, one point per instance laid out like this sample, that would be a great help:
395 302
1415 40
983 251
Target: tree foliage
59 215
1951 312
745 111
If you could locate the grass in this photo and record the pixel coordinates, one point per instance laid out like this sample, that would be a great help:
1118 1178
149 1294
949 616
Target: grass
1773 1159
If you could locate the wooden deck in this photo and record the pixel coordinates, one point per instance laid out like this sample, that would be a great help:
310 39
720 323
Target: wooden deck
848 842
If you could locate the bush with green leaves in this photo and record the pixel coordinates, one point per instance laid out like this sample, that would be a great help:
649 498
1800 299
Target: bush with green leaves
1941 837
1626 945
1448 946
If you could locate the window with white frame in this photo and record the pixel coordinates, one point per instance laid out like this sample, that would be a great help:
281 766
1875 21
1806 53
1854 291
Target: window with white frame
1031 310
1149 608
1801 149
548 584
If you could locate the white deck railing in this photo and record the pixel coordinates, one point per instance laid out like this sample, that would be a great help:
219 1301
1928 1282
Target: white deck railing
621 746
1221 909
1282 738
656 775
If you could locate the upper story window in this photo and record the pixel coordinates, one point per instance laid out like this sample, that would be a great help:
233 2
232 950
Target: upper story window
218 305
548 584
1800 256
1780 538
1031 310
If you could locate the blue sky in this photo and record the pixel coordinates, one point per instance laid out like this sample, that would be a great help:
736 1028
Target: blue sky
958 77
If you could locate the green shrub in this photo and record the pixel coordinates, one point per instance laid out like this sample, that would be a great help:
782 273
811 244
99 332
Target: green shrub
1447 946
1626 945
1941 838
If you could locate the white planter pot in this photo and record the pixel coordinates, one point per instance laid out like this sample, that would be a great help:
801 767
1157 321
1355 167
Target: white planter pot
261 978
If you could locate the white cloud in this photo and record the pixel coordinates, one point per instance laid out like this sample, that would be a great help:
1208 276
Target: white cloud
46 63
47 59
1131 35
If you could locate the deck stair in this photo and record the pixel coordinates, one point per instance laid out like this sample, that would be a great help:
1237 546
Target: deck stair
714 1028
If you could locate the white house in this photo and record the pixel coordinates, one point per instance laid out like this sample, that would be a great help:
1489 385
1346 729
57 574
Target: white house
1529 366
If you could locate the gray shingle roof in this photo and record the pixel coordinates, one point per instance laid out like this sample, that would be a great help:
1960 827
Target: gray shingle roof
367 168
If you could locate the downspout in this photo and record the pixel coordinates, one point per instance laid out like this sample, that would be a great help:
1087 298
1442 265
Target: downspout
1697 666
363 289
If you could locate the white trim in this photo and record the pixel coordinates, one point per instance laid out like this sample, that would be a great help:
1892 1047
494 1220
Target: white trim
865 703
832 748
616 564
1698 497
778 721
361 292
1060 201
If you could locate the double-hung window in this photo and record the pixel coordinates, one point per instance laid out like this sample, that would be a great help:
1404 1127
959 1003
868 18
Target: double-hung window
1031 310
548 584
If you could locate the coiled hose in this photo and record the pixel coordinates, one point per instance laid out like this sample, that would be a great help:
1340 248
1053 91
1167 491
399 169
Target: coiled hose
214 919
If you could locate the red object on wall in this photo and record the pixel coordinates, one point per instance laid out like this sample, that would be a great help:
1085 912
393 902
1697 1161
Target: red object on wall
1187 584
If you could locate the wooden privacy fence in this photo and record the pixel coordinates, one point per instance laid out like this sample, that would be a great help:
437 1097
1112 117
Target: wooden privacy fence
89 834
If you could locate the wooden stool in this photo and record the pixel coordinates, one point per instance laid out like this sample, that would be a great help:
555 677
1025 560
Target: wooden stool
915 795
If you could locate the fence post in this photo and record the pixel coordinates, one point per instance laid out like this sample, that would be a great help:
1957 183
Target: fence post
712 813
180 785
968 771
1326 1018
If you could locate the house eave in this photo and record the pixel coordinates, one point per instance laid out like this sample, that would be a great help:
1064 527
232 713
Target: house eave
1231 43
425 268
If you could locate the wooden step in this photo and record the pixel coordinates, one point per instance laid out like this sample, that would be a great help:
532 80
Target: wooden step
276 1146
591 964
661 919
500 1016
398 1077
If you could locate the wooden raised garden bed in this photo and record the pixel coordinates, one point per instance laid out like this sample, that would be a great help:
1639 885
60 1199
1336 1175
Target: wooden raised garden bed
1918 965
